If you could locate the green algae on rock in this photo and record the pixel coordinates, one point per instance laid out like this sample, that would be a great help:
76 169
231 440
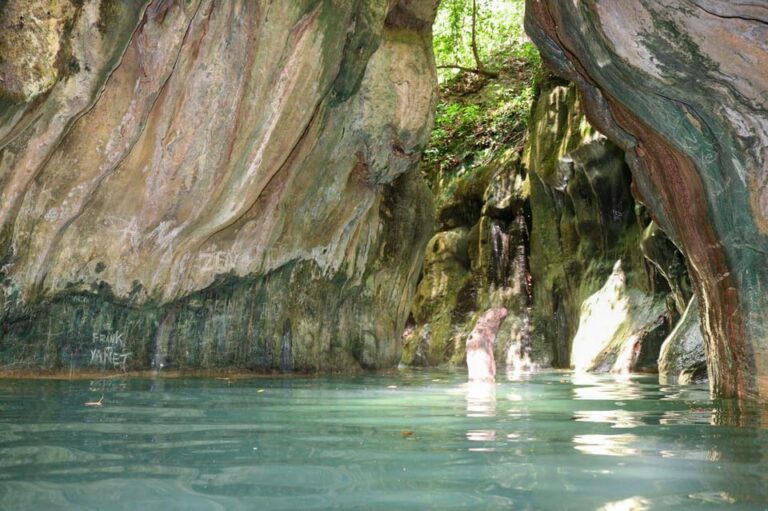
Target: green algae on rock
558 240
476 262
595 305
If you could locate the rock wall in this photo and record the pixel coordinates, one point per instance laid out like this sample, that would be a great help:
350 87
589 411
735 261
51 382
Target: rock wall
205 184
475 263
598 306
558 240
681 88
682 358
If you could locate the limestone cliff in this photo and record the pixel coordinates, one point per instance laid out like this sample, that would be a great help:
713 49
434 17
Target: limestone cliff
476 262
682 358
557 239
598 303
211 183
681 88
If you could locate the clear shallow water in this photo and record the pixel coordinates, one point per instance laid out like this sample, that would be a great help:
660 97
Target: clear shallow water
548 441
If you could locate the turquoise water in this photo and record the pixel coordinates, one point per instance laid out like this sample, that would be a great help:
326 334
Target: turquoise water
405 440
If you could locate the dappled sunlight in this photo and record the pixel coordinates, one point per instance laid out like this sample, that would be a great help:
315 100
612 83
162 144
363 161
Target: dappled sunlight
602 315
630 504
617 418
606 445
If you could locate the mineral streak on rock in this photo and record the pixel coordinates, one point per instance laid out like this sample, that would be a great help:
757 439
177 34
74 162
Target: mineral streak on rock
200 174
681 88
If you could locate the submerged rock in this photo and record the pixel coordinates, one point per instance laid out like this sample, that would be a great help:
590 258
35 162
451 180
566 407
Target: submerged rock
204 184
680 87
682 359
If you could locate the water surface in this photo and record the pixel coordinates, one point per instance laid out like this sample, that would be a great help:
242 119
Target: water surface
405 440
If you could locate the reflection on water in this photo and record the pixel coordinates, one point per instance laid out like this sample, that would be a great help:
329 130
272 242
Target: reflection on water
481 402
410 440
604 387
606 445
631 504
617 418
481 399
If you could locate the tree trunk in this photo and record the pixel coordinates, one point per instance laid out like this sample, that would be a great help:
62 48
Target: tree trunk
476 53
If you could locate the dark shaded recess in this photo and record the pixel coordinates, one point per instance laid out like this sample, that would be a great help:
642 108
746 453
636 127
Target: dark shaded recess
108 11
465 206
400 17
667 268
466 301
286 348
561 334
647 360
111 10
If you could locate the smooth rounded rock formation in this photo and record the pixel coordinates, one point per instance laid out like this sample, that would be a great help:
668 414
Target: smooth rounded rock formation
188 178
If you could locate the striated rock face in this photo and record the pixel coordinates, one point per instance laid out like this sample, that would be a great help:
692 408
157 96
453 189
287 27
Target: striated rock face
681 88
205 183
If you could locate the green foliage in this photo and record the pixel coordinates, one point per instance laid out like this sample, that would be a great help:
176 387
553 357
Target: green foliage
499 32
479 117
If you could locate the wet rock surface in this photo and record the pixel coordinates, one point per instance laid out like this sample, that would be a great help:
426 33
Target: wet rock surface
477 262
559 241
682 359
680 87
205 184
598 305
